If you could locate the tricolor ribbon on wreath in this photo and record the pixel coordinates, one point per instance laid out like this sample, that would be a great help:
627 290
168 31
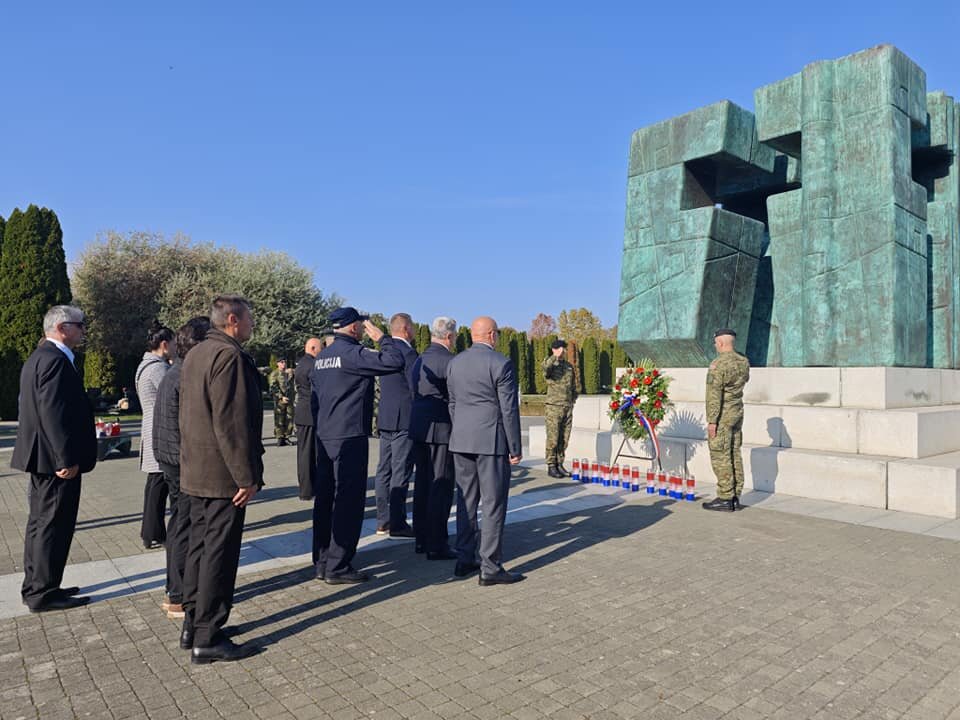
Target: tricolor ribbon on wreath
628 406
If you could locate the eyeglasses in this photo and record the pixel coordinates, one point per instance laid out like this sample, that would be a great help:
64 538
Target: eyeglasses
78 324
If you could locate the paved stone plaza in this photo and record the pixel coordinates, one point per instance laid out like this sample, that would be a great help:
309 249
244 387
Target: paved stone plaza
632 608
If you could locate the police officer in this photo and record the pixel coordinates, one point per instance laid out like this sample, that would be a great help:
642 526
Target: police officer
342 378
558 407
725 380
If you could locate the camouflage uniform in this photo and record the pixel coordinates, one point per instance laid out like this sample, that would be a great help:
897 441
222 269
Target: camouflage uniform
282 387
558 407
725 380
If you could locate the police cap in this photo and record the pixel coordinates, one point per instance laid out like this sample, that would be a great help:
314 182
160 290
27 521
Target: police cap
341 317
558 344
724 331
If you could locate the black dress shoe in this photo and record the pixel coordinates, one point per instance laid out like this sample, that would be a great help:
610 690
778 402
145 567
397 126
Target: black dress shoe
463 569
320 571
502 577
446 554
186 639
719 504
68 591
403 533
553 472
282 442
350 577
61 602
224 651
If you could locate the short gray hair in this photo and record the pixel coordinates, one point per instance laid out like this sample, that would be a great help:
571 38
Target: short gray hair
443 326
60 314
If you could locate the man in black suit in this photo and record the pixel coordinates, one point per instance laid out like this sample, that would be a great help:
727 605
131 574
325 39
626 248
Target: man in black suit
485 442
56 443
430 432
303 419
396 447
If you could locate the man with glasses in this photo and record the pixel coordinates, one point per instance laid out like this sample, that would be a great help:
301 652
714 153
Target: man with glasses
56 443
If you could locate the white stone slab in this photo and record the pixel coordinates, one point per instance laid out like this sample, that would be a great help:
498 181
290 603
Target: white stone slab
804 387
882 388
687 384
906 522
818 428
536 442
929 487
586 412
950 387
685 420
911 432
856 479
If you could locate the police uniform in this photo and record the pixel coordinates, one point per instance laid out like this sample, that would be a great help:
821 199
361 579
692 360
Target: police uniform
558 409
341 379
726 378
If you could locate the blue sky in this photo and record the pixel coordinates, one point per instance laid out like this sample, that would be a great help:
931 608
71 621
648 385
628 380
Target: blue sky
430 157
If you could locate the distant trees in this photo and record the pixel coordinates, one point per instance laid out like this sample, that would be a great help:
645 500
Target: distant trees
124 281
33 277
542 325
578 325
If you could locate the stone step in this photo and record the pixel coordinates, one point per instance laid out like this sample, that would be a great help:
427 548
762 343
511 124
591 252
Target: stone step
875 388
928 486
916 432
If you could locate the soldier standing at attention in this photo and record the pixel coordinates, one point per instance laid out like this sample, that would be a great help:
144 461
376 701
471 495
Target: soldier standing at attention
282 390
558 407
725 380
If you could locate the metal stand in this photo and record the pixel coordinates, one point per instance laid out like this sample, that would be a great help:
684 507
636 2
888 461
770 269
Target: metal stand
621 454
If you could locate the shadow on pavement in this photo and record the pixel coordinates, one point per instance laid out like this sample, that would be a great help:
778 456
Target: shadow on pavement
574 531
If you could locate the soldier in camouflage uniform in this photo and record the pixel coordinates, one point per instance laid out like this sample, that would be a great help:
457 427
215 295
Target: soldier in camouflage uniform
282 390
558 407
725 380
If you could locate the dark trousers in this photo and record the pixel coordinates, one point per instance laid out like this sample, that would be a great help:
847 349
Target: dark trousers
210 572
306 460
482 479
178 532
46 543
341 493
393 477
152 528
432 494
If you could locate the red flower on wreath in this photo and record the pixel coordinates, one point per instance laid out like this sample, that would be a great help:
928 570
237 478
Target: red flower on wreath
614 405
634 383
659 393
646 381
639 370
656 373
616 387
658 404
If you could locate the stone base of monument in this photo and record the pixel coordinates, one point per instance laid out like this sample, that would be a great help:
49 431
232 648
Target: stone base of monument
880 437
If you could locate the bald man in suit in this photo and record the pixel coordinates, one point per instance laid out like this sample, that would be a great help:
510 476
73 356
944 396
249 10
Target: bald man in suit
485 442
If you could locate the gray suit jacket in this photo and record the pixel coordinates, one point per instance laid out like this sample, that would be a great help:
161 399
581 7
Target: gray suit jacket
483 403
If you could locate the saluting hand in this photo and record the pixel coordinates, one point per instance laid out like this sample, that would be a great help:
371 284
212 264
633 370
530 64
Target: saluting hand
373 332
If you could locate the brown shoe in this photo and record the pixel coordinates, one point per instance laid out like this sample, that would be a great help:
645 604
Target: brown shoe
175 611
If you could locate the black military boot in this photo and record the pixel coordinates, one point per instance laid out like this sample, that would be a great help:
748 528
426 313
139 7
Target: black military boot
553 472
720 504
736 503
562 470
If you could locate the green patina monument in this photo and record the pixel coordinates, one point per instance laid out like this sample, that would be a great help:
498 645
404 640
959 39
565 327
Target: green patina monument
824 228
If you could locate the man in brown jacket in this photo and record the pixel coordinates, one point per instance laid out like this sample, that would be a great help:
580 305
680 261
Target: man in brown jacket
221 469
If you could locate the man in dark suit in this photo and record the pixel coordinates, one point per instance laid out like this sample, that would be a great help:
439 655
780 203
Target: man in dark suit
303 419
430 432
485 442
56 444
396 447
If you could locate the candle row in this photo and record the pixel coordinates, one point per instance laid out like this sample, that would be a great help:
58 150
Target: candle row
679 487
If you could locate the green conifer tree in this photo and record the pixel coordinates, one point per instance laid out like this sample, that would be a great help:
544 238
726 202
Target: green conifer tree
33 277
591 366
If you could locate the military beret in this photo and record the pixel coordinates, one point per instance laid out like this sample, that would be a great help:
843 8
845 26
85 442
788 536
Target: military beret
341 317
558 344
724 331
